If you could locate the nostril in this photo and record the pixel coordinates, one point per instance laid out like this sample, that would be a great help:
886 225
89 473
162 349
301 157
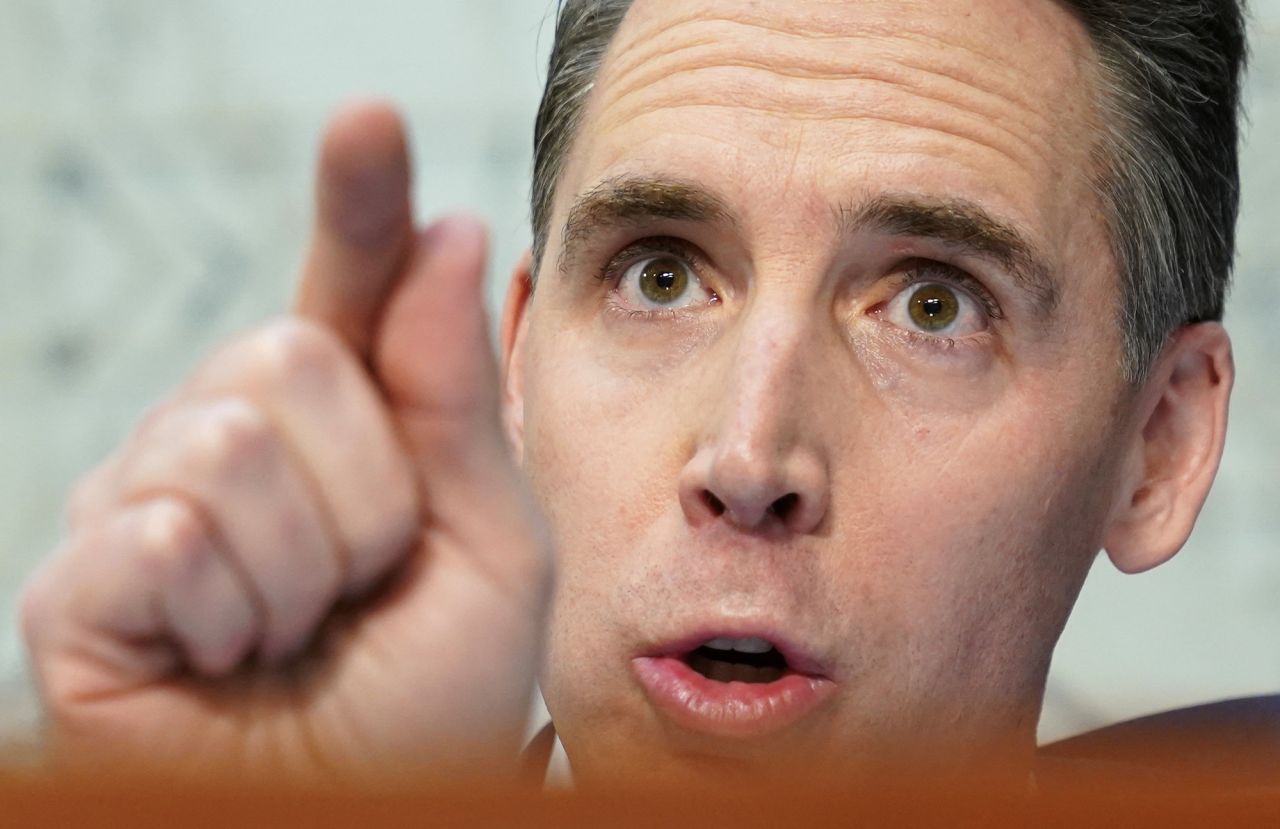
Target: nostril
713 503
785 505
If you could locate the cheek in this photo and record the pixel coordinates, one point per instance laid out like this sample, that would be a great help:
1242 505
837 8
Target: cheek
984 529
606 431
603 451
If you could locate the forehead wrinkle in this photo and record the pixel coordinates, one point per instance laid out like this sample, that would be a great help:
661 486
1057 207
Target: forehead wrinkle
792 28
974 114
989 121
645 50
805 23
631 59
680 102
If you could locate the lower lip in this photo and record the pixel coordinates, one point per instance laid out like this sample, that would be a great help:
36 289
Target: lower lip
728 709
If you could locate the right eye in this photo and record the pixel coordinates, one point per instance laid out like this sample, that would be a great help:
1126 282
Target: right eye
664 281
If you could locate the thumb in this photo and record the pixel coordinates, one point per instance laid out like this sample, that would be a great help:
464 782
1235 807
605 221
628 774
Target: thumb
435 364
433 359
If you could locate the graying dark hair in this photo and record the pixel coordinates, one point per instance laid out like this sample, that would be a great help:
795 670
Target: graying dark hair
1166 167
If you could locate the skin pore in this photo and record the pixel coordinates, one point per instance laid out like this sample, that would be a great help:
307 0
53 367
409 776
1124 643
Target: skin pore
783 442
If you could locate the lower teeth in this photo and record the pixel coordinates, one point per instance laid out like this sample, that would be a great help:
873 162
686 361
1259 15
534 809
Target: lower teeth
720 670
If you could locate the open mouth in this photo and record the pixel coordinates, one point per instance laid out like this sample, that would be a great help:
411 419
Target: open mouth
725 684
753 661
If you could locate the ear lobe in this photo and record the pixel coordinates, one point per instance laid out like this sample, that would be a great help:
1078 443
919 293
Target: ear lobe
515 323
1175 450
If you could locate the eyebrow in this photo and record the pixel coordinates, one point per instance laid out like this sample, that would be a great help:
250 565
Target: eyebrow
962 225
635 200
957 223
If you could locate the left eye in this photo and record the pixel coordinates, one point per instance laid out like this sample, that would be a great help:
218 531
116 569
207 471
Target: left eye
936 308
662 282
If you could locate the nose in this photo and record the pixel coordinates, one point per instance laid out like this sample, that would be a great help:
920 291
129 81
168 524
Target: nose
760 465
754 490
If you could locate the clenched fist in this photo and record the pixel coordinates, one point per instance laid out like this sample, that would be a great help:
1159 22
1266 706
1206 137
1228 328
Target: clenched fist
316 558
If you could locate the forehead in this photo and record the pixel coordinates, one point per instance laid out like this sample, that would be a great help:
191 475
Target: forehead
818 103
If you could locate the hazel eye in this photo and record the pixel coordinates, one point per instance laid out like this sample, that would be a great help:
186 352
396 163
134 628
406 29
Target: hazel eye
934 307
938 309
662 282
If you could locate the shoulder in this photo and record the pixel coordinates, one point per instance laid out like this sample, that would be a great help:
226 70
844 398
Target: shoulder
1231 745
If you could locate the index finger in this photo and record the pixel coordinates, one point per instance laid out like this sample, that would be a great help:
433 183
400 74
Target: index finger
363 228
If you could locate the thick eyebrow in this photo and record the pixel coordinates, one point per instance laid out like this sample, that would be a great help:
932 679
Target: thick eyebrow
963 225
633 200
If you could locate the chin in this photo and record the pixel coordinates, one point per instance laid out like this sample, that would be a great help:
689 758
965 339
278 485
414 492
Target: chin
641 747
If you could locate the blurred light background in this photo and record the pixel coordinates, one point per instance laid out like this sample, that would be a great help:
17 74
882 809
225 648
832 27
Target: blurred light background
155 161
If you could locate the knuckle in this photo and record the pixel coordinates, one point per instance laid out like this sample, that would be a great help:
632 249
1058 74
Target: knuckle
172 534
292 347
236 433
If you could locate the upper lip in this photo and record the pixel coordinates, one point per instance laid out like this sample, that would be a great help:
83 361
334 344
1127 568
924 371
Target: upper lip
799 659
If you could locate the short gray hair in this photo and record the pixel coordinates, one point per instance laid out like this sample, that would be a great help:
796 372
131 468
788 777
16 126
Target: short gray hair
1166 168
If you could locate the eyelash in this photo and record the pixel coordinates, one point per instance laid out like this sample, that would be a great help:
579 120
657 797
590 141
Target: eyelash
925 271
616 267
916 272
613 271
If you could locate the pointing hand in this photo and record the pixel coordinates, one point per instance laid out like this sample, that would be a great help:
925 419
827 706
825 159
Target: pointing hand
316 557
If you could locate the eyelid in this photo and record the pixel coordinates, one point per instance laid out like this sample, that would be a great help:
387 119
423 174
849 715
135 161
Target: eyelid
924 271
637 251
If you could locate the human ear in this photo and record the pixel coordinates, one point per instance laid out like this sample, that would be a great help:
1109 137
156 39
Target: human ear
1175 450
515 323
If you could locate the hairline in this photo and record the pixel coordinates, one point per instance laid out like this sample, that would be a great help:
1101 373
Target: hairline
1165 160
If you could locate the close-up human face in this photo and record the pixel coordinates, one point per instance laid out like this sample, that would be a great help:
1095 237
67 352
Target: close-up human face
822 361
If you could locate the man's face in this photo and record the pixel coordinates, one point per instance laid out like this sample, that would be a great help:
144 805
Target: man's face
823 357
